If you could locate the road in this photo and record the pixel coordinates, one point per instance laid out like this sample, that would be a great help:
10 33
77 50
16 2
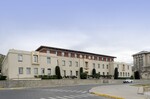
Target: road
67 92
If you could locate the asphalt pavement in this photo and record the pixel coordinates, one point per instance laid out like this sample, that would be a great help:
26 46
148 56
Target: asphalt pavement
66 92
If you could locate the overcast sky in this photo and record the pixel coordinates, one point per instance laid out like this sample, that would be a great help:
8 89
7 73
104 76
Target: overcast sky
118 28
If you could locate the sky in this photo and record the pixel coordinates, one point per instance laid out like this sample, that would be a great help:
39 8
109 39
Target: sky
118 28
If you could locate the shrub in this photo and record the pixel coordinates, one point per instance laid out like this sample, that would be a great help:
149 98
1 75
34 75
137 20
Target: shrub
131 77
3 77
83 75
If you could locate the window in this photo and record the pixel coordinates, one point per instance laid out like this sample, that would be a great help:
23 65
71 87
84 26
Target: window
28 70
64 72
70 63
123 68
76 64
20 58
20 70
99 73
128 67
86 64
42 71
63 62
103 66
35 71
98 65
128 75
107 66
70 72
77 73
48 60
49 71
35 58
103 73
107 73
57 63
120 73
93 65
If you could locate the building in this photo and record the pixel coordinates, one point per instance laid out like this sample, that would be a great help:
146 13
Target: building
141 63
124 69
25 64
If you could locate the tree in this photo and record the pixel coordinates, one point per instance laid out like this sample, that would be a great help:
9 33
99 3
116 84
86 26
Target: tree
137 75
81 71
1 60
57 72
116 73
94 71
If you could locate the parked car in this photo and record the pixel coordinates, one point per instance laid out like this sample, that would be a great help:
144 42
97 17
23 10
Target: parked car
128 81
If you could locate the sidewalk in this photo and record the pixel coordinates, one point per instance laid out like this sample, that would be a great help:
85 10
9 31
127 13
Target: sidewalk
118 92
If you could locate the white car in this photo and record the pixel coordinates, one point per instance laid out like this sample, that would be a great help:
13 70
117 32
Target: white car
128 81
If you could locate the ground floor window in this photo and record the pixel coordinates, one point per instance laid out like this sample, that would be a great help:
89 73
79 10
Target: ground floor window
120 73
103 73
71 73
28 70
35 71
20 70
77 73
49 71
64 72
107 73
42 71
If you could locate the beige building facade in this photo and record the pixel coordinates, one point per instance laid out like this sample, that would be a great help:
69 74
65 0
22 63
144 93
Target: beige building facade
141 63
25 64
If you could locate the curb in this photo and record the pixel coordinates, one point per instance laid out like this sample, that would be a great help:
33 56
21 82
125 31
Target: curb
19 88
106 95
